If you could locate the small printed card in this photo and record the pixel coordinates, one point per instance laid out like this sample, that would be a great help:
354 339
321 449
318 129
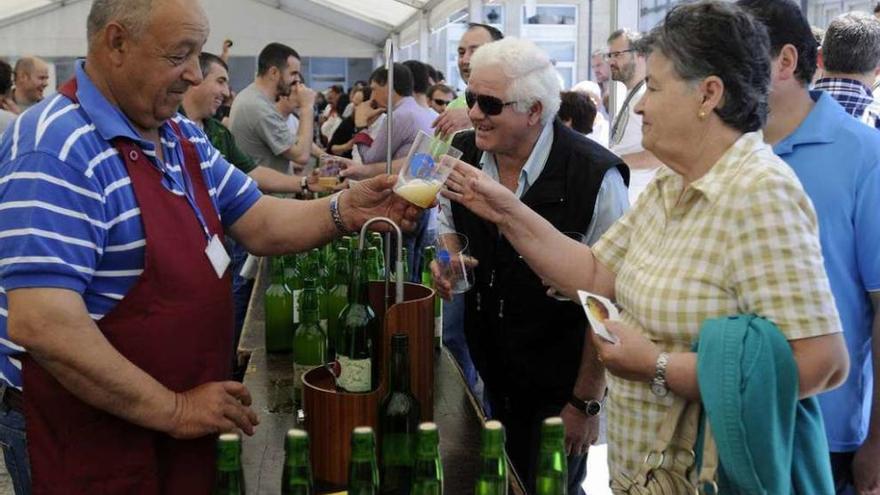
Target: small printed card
599 309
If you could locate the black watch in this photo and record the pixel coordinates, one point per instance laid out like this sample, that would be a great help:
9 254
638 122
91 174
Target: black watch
590 407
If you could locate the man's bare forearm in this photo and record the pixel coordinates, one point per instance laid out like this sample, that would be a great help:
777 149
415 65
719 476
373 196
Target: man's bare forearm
590 383
279 226
54 325
272 181
302 149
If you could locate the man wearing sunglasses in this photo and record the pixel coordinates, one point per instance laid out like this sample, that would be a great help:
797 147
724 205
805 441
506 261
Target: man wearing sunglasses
529 348
439 97
628 66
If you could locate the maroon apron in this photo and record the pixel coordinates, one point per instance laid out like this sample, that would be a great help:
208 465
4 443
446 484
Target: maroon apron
175 324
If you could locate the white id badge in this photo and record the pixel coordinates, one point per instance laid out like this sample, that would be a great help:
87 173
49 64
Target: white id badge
218 256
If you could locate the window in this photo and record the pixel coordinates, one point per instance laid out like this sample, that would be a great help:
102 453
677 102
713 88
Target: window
494 15
821 12
559 15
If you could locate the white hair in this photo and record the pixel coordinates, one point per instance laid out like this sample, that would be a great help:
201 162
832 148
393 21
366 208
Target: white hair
530 72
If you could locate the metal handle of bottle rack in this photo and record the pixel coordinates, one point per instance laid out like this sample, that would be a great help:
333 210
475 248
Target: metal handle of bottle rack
389 63
398 266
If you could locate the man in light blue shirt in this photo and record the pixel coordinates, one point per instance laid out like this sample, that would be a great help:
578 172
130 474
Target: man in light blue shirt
837 159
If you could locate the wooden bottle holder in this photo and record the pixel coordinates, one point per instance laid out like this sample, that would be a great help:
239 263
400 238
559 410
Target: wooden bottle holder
332 415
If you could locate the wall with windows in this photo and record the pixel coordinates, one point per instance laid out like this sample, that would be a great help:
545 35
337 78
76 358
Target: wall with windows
821 12
568 29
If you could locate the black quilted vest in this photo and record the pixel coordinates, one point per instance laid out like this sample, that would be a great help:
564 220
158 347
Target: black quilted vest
524 343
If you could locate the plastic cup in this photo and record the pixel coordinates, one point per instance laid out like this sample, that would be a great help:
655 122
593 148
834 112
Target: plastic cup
456 263
427 167
328 171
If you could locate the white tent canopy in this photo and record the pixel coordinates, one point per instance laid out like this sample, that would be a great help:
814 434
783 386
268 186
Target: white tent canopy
324 28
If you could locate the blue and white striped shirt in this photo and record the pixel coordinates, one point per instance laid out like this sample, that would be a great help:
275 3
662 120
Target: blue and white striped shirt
68 214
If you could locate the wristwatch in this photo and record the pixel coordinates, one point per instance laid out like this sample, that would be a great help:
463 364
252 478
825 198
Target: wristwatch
590 407
658 384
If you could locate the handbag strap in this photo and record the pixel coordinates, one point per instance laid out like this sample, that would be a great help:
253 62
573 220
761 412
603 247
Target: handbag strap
674 445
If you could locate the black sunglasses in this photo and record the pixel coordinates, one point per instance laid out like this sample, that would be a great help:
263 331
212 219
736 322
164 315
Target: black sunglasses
490 105
441 103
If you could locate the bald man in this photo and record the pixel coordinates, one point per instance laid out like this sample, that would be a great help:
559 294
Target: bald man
31 79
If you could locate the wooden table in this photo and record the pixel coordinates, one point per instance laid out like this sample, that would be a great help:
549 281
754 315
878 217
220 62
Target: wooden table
269 377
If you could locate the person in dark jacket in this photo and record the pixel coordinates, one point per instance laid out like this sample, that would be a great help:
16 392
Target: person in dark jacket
529 348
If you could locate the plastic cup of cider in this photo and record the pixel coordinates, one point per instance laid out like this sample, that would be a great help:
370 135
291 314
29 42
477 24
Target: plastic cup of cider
328 171
427 167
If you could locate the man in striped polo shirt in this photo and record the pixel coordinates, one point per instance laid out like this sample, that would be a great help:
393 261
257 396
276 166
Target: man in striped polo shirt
115 307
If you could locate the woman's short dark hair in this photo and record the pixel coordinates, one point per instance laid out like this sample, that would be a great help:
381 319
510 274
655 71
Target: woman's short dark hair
717 38
579 109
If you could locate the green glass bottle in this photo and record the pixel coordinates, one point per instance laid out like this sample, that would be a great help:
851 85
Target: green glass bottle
427 470
552 472
295 284
430 253
310 341
296 477
374 268
290 270
353 246
399 415
406 272
492 479
230 477
328 255
377 241
336 299
358 327
363 471
278 306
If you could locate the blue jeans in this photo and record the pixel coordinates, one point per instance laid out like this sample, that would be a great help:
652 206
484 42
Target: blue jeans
14 442
454 339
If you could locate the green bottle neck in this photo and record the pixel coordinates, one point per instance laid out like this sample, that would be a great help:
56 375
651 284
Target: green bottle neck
493 444
358 289
297 453
343 267
309 301
428 445
229 457
400 368
363 449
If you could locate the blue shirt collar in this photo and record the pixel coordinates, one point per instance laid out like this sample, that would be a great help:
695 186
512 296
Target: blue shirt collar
108 119
819 126
534 165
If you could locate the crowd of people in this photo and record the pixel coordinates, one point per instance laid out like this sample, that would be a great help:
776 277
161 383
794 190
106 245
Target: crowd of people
736 180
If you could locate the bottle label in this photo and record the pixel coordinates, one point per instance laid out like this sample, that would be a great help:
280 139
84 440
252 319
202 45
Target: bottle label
296 312
323 324
355 375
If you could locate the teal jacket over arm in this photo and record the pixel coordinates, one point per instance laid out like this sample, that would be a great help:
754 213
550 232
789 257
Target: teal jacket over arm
769 442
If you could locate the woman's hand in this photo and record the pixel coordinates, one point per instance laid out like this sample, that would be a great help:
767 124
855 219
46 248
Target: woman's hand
477 192
633 357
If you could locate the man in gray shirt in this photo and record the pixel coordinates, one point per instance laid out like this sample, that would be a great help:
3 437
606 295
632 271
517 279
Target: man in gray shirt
259 129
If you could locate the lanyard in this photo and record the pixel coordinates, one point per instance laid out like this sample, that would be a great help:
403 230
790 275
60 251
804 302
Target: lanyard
188 190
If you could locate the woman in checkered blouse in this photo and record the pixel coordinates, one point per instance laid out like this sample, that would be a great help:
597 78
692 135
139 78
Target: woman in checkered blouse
725 229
